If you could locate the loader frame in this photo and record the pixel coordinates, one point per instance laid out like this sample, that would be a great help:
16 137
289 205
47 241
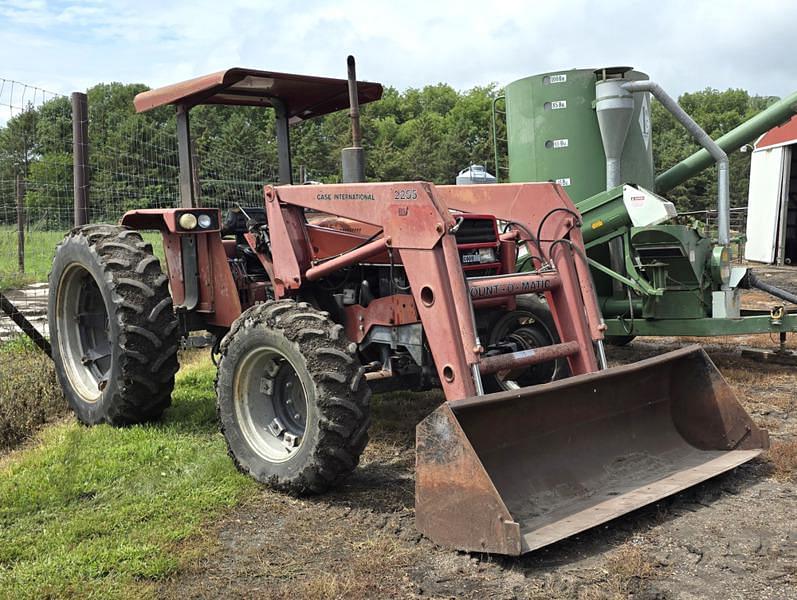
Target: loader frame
417 222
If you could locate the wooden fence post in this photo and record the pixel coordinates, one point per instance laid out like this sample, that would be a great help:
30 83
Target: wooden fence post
80 157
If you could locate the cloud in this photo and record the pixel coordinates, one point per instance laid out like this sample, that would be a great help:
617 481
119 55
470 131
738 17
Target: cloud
685 46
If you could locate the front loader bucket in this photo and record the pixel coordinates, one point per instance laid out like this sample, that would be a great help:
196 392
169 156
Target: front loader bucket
511 472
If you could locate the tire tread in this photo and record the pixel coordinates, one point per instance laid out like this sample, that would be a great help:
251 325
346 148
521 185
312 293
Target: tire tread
344 415
148 333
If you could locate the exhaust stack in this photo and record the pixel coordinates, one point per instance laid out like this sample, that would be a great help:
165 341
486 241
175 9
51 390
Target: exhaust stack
352 158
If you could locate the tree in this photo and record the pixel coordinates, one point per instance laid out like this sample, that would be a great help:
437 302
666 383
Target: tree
428 133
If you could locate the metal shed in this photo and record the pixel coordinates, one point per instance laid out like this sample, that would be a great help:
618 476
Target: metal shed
772 202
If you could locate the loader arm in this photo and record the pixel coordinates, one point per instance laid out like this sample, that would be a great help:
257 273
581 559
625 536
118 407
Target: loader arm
416 222
544 210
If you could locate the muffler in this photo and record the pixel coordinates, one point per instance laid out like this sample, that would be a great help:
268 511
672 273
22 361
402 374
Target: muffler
511 472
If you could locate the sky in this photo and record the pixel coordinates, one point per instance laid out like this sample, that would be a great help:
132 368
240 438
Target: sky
66 45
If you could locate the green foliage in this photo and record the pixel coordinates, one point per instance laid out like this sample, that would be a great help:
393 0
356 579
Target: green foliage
35 145
428 133
91 511
132 157
49 182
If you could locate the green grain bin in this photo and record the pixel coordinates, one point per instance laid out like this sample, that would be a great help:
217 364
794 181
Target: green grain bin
553 133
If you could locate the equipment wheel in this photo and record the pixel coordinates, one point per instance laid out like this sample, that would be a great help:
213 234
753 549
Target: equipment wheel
112 328
619 340
530 325
292 399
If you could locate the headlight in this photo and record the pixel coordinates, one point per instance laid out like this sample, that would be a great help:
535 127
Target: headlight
187 221
204 221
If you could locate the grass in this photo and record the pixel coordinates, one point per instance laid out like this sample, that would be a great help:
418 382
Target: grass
101 512
29 392
39 250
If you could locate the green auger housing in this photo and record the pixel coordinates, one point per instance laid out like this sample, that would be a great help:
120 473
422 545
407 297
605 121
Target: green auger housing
589 130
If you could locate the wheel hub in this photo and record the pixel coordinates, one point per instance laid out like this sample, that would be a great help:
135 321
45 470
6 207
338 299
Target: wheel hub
83 333
527 338
520 331
271 403
290 407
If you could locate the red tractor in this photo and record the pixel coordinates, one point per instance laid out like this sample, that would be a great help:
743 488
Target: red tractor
324 291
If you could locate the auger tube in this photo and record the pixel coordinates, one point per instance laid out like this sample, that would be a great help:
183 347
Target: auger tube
704 139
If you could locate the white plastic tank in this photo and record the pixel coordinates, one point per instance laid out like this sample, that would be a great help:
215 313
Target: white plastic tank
475 174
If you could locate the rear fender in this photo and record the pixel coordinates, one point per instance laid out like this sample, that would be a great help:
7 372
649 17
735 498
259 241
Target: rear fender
199 276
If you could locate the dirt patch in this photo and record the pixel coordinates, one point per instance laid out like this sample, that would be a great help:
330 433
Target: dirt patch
732 537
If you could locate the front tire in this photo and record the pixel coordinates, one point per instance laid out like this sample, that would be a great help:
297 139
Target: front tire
292 399
112 328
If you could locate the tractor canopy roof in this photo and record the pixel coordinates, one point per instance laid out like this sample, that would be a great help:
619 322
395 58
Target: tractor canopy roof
304 96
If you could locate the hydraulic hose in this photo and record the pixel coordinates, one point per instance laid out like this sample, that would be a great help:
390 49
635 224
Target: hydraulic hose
786 295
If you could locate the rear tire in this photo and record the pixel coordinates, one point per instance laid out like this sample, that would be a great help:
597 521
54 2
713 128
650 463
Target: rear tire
112 328
292 399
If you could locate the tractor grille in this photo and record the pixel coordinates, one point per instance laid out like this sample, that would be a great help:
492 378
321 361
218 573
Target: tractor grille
476 231
477 240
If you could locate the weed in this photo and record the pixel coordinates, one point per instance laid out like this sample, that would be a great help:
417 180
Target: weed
625 573
783 456
369 572
29 392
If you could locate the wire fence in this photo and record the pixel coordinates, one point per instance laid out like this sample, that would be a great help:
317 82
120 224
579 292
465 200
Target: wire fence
132 163
35 200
